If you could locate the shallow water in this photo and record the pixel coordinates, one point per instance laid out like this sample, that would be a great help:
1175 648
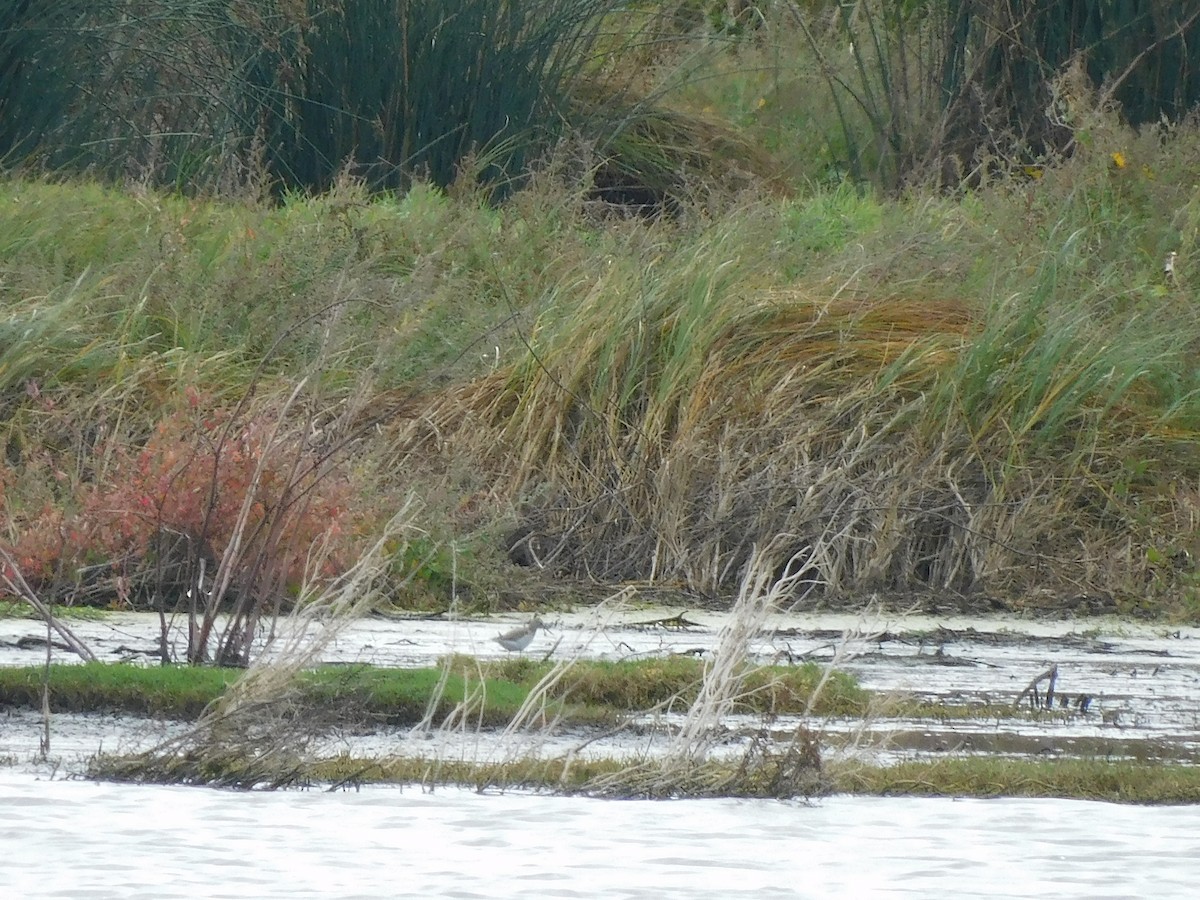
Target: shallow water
1143 682
73 839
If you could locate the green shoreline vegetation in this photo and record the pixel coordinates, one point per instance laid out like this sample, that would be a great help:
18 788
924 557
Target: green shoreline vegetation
590 693
1079 779
711 296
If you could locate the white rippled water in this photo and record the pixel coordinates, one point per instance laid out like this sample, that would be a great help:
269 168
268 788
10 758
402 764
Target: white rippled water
75 839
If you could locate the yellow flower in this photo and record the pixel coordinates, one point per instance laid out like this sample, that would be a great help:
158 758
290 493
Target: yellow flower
1118 159
762 101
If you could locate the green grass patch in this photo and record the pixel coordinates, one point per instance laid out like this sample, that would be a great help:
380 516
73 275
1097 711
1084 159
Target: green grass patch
1081 779
1101 780
674 680
402 696
590 692
169 691
394 696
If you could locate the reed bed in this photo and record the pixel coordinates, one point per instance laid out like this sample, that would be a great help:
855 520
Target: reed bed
665 419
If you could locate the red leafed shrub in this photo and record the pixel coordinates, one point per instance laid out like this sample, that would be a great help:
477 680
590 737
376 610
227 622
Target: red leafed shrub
188 482
40 544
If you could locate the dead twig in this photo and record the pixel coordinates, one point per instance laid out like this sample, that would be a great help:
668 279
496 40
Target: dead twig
11 578
678 621
1031 690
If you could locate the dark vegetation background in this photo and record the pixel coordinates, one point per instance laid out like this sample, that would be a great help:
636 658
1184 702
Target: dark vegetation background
199 94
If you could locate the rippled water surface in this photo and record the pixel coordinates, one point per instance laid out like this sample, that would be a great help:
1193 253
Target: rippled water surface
74 839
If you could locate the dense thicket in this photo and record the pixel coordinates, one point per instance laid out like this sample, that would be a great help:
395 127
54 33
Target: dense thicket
209 93
196 92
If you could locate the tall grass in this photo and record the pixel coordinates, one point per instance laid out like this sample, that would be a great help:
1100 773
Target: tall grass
47 57
956 392
216 94
970 404
151 343
686 766
947 93
682 409
136 91
386 88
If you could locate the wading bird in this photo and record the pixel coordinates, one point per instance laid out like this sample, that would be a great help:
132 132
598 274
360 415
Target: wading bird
520 638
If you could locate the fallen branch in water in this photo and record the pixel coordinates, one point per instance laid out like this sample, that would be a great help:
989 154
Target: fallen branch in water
1035 699
11 577
679 621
